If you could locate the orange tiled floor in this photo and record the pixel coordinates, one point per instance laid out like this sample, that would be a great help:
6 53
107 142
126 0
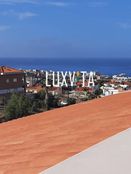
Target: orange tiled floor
32 144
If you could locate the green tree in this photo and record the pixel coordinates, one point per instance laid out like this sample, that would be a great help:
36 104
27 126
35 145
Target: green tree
71 101
18 106
98 92
35 106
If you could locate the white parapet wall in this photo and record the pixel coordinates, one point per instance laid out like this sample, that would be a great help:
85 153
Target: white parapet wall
111 156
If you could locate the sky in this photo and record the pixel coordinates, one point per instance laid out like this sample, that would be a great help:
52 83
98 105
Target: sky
65 28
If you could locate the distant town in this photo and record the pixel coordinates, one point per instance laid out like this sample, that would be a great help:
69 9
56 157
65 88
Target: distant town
27 92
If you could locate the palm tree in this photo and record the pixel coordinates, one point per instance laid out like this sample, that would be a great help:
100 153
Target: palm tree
46 97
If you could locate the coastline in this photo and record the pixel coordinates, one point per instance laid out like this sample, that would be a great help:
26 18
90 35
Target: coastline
107 66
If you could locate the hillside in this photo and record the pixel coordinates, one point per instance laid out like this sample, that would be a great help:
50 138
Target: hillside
33 144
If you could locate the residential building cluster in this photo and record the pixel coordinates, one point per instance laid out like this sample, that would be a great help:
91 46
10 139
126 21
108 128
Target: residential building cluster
31 82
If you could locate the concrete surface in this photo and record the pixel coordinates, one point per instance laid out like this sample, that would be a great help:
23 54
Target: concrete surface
112 156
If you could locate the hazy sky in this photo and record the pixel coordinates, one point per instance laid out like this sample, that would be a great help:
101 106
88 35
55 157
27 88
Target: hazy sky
65 28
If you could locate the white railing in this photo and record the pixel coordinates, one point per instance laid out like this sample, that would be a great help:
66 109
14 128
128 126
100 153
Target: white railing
6 91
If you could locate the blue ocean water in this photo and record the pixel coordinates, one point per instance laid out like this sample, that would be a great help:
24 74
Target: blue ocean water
108 66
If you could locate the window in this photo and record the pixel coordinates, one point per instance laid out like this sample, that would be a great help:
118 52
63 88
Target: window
15 80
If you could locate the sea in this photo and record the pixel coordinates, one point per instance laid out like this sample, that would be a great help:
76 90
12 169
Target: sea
106 66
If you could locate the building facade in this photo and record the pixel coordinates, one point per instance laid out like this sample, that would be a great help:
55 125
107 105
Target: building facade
11 81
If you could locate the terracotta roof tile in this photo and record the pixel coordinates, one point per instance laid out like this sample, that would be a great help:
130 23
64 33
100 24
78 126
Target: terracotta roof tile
5 69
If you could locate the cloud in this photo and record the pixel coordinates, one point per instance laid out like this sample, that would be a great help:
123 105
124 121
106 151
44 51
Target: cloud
19 15
25 15
57 4
97 4
124 25
4 27
11 2
39 2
